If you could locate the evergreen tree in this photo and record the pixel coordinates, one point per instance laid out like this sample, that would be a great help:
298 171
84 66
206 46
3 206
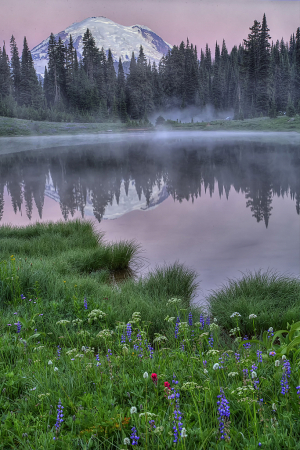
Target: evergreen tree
30 89
15 68
263 72
121 93
111 81
297 72
89 53
5 78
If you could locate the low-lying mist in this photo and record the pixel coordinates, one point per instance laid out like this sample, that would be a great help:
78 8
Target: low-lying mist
194 113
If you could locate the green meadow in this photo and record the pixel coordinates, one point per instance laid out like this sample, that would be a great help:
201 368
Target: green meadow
94 356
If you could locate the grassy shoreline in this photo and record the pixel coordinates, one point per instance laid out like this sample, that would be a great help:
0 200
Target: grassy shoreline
88 363
21 127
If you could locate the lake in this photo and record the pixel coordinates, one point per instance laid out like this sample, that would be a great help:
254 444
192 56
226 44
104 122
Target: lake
221 203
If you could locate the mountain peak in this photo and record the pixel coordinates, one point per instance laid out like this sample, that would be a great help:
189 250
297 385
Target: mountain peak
122 40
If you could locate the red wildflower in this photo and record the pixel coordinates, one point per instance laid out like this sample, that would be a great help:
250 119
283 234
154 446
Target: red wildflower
167 385
154 378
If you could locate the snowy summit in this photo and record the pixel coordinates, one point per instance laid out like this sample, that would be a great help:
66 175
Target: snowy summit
121 40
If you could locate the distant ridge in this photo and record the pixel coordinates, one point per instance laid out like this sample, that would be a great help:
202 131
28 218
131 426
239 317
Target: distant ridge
120 39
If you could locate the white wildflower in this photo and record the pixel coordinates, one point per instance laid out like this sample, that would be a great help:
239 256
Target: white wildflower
169 319
69 352
253 374
173 301
136 316
216 366
62 322
148 414
234 331
33 389
212 352
277 363
233 374
205 371
215 320
96 314
105 334
189 386
159 337
238 339
76 322
235 314
274 407
252 316
145 375
183 433
55 369
283 357
126 441
133 410
50 362
271 330
213 326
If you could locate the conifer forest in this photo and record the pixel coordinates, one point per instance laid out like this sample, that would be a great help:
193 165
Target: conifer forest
257 78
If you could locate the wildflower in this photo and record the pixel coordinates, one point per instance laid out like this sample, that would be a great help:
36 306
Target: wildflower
216 366
177 327
252 316
253 374
190 319
133 410
9 324
85 303
286 374
237 357
154 378
58 352
76 322
183 433
259 356
167 386
233 374
19 326
62 322
159 338
152 424
205 371
272 353
55 369
298 391
274 407
151 351
50 362
173 301
213 326
169 319
277 363
247 345
134 437
95 315
283 357
59 417
235 314
98 360
126 441
270 332
224 414
145 375
136 316
129 331
211 340
202 321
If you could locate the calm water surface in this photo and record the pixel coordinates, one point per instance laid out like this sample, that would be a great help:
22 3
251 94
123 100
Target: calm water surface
220 203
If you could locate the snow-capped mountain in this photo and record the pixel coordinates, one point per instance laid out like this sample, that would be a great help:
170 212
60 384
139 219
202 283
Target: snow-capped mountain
121 40
127 203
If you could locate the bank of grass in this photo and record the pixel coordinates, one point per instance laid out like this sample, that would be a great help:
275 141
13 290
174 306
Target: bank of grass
21 127
274 298
86 363
281 123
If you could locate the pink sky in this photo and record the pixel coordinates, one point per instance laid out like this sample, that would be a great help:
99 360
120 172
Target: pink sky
173 20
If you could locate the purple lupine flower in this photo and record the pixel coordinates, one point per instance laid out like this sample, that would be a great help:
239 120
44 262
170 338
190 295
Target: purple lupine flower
286 374
190 319
58 352
248 345
123 339
202 321
109 353
98 360
151 351
211 340
245 373
22 297
152 424
237 357
254 376
129 331
182 346
208 320
134 437
224 414
177 327
259 356
204 362
85 303
19 326
298 391
221 363
59 417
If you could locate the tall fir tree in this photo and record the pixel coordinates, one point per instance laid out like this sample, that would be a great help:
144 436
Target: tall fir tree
15 68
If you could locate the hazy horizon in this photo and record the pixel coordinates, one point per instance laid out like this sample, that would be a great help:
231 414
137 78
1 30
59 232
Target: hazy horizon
201 21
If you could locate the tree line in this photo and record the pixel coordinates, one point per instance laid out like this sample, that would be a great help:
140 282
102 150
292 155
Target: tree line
257 78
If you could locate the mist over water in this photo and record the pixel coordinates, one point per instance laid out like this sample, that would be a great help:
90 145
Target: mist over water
221 203
192 113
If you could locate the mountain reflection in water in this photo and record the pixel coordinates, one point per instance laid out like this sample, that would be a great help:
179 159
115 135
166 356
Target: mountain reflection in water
118 177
